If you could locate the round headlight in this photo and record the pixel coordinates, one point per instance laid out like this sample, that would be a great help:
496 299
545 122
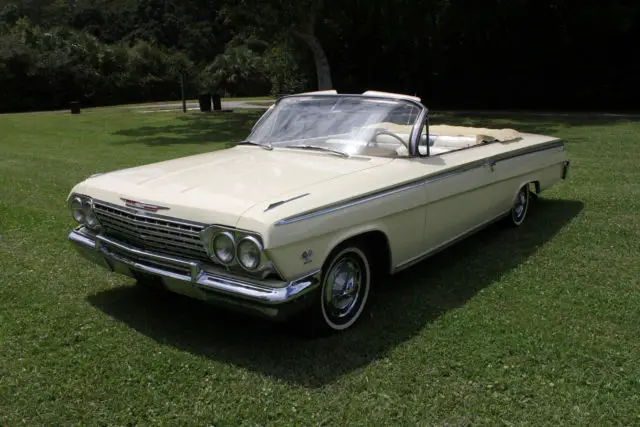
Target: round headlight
91 221
90 218
249 252
77 210
223 247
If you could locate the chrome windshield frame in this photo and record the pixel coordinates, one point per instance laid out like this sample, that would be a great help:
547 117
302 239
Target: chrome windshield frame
416 129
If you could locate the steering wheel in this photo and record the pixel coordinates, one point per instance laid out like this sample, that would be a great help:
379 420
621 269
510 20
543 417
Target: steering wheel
391 134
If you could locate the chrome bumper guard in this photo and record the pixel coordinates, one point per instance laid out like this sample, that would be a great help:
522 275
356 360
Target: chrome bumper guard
189 278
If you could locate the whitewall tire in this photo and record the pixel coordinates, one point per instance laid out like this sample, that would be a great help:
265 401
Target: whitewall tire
345 288
344 291
520 206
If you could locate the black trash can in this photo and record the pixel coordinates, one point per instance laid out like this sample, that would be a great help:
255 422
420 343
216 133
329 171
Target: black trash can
205 102
217 102
75 107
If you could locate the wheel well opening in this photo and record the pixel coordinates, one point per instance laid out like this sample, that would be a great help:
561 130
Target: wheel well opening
535 186
377 246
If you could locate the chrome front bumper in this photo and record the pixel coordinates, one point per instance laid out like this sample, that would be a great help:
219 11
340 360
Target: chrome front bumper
192 279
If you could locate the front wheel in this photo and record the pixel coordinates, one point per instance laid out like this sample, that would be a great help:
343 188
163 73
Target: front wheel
346 281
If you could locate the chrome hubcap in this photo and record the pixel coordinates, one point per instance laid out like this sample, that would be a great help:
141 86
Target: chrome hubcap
520 206
342 289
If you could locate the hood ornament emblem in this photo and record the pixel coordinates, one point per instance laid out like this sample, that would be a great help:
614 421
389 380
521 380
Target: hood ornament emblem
143 206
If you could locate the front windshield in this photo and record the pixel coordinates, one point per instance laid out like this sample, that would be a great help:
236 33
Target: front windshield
343 124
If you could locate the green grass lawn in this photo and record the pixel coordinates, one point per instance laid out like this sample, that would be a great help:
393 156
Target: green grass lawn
539 325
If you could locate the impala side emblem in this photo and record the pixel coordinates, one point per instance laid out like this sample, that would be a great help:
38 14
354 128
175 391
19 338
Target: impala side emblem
143 206
307 256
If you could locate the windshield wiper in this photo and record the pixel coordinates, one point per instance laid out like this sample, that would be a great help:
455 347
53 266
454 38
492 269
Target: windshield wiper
266 146
318 148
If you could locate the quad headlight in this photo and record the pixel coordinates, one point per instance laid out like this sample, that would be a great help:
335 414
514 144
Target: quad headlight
77 210
249 253
235 248
90 218
82 211
223 247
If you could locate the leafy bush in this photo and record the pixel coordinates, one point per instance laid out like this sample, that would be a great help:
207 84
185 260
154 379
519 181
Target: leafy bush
284 73
47 68
252 68
239 71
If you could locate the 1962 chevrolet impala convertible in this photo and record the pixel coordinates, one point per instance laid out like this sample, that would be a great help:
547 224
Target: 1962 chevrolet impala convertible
328 192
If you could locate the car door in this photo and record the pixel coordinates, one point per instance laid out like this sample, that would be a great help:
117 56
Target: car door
458 199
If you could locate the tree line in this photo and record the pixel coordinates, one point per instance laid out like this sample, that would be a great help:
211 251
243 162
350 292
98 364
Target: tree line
452 53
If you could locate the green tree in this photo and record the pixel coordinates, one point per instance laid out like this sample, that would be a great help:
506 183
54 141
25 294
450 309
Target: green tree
278 19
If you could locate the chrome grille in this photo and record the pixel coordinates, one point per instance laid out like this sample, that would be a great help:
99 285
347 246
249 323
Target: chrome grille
162 235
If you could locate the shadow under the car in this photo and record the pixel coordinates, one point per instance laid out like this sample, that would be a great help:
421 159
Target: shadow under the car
398 310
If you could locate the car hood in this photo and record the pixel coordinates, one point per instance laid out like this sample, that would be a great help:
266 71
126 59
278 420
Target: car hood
218 187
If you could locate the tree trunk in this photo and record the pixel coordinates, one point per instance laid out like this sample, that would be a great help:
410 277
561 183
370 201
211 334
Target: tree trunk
323 71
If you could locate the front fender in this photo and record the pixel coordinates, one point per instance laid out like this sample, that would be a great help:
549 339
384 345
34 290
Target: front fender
299 258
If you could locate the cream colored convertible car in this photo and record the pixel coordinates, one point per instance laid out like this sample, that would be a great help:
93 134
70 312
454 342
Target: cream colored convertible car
328 192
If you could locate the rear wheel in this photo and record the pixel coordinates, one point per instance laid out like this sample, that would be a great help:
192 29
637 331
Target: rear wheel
520 207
